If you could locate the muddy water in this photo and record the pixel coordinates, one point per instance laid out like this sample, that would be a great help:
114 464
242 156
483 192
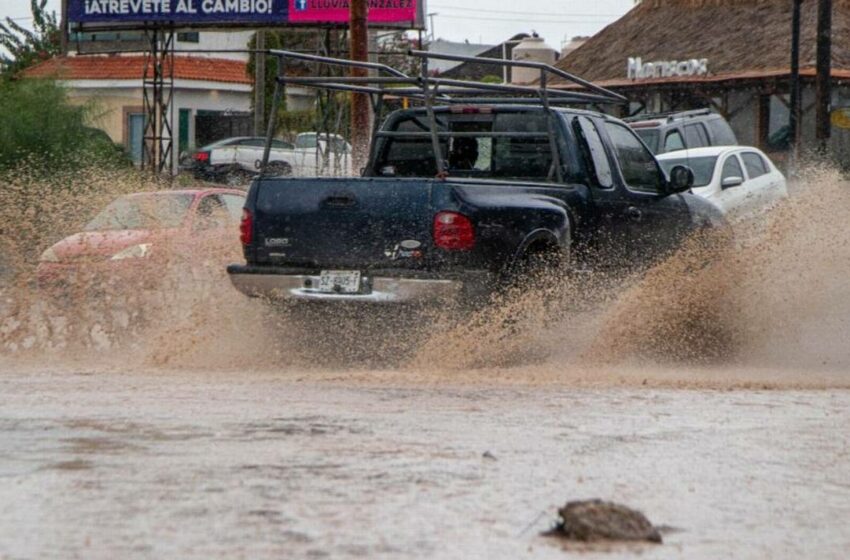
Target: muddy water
232 464
179 419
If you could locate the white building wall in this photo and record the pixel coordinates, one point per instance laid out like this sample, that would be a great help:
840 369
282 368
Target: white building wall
218 40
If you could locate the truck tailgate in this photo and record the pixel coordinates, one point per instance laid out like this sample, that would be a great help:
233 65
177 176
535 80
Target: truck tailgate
339 223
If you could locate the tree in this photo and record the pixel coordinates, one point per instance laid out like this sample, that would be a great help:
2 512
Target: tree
27 47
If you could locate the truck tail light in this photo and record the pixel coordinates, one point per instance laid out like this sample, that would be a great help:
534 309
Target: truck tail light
246 227
453 231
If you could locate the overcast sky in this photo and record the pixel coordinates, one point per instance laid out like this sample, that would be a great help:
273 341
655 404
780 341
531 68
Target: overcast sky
556 20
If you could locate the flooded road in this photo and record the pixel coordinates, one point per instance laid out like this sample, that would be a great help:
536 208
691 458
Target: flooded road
148 463
181 420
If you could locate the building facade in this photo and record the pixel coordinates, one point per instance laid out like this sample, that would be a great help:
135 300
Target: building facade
733 56
211 93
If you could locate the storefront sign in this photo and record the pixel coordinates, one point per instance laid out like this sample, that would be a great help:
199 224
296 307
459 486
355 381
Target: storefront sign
200 12
637 69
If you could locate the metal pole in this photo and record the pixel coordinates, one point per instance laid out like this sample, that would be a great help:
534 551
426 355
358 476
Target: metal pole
359 51
259 82
794 115
823 82
432 120
278 93
431 26
63 35
550 128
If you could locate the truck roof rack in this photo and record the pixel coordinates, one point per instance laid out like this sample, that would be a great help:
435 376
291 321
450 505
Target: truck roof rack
670 116
386 81
391 82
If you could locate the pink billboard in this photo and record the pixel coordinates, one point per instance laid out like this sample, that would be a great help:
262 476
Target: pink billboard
336 11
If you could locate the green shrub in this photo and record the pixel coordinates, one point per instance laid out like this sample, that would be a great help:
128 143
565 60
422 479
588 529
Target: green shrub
39 126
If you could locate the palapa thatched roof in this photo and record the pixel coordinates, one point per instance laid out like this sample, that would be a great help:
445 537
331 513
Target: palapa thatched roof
740 39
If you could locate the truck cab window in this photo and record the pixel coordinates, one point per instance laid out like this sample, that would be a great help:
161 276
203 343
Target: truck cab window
475 151
596 152
637 164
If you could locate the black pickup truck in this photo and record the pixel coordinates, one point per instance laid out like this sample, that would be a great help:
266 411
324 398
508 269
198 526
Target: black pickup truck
514 182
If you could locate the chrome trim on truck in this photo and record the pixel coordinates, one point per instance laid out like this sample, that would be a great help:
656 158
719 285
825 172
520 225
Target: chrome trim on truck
291 287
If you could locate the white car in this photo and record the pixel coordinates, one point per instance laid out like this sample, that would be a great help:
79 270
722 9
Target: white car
741 181
236 160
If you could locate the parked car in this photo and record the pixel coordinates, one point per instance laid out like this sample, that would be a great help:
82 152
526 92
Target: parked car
235 161
522 187
741 181
135 229
670 132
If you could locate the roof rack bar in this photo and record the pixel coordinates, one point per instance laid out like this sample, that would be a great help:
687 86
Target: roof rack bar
525 64
306 80
337 61
670 114
477 134
498 87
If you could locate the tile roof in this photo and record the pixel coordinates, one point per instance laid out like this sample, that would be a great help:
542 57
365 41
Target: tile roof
132 68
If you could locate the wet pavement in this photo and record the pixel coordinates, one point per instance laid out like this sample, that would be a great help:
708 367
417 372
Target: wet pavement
246 464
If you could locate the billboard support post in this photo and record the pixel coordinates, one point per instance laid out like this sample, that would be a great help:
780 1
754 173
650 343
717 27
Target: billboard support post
359 51
259 82
823 93
157 93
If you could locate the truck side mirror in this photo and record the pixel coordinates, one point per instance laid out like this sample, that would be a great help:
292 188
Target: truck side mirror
681 179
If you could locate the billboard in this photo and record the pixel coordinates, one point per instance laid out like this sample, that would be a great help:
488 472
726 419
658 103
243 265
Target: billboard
336 11
226 12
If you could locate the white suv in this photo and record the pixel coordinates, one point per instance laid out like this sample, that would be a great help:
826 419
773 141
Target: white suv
670 132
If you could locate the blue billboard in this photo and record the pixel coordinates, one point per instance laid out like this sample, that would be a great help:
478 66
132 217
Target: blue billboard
190 12
257 12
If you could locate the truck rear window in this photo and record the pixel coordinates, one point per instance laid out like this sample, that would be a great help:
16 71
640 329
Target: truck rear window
473 147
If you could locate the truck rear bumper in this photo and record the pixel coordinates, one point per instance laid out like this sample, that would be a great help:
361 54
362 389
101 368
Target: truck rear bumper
283 286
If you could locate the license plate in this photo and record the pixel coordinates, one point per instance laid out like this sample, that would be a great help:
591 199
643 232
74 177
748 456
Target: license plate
339 281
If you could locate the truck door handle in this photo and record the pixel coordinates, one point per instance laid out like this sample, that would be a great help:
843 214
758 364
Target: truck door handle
339 201
634 214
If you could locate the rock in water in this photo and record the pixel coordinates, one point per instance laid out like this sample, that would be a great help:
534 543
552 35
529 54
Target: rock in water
593 520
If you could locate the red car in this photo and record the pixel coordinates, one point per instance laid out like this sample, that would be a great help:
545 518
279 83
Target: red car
139 230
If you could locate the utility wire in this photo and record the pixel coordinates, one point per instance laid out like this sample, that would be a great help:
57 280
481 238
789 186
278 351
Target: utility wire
524 20
489 11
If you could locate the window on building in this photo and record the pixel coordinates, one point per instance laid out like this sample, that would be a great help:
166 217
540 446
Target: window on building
188 37
135 136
